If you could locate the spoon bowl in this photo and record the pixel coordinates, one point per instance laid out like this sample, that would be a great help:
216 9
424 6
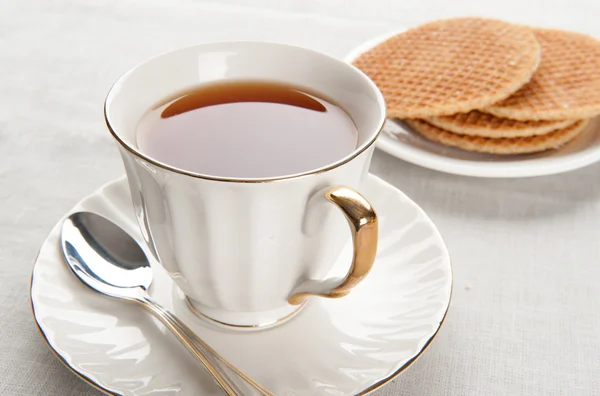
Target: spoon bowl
104 256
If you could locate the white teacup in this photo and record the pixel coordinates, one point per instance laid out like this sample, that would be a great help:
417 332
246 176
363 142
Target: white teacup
249 252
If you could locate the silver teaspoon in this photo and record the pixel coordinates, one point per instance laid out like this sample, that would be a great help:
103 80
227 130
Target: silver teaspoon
109 261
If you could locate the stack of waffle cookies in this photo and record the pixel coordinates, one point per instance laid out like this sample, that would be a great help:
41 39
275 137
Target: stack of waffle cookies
489 86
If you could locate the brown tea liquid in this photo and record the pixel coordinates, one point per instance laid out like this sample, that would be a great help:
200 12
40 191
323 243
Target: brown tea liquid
247 129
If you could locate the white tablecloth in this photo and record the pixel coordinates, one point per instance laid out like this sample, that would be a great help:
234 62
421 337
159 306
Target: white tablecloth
525 315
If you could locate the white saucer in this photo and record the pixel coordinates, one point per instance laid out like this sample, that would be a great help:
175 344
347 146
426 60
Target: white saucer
400 141
349 346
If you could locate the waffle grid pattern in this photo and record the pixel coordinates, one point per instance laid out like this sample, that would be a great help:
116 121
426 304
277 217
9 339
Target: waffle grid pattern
451 66
565 86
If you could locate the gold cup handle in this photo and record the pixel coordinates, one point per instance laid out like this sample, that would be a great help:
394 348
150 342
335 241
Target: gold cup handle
364 227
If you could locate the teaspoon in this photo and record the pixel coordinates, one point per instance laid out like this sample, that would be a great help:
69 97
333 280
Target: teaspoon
110 261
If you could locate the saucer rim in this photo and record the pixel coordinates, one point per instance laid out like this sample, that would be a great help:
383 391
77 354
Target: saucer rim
367 391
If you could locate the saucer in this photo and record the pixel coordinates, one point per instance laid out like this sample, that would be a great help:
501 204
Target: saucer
399 140
348 346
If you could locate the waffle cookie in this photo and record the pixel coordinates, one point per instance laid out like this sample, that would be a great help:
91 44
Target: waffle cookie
451 66
517 145
476 123
566 85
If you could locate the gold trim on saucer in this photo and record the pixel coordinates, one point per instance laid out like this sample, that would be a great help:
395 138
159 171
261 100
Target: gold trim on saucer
60 357
99 387
406 365
197 312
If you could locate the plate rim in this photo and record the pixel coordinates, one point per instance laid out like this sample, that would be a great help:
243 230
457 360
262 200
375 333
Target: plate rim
488 169
115 392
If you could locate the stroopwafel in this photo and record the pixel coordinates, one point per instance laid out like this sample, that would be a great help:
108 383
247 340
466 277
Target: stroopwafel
476 123
451 66
565 86
518 145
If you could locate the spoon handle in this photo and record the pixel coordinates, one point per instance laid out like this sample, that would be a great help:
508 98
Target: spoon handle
250 386
209 358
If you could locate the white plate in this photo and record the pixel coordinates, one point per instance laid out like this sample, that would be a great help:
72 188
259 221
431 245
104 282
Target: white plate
400 141
339 347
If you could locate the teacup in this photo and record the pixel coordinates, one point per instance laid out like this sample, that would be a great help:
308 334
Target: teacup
248 253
